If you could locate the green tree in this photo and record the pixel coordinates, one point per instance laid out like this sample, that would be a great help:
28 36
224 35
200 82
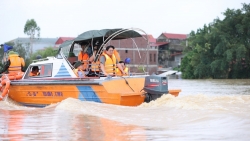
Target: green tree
31 29
221 49
48 51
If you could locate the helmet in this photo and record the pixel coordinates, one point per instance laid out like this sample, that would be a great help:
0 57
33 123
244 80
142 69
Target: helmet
11 52
127 61
38 57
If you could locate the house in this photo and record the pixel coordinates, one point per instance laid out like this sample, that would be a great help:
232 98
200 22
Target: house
60 40
140 54
170 47
38 43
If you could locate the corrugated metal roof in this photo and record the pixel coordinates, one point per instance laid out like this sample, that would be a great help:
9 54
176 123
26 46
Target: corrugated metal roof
175 36
160 43
63 39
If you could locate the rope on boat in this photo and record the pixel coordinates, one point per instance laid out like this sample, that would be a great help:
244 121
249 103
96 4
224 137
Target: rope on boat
128 83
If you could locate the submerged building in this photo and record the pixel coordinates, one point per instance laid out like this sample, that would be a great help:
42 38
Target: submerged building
170 48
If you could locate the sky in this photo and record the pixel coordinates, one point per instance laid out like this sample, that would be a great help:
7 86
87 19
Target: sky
69 18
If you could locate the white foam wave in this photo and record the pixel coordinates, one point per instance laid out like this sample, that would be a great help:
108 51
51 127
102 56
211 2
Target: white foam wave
9 104
171 110
200 101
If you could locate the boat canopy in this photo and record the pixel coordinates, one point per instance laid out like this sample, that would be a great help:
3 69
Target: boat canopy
66 43
102 35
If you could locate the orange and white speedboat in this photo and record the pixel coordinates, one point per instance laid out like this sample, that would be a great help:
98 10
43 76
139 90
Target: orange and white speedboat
57 80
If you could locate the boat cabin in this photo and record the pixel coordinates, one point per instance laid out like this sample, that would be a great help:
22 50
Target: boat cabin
62 65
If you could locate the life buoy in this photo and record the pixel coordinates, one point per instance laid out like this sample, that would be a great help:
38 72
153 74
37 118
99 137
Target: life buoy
5 87
5 82
15 75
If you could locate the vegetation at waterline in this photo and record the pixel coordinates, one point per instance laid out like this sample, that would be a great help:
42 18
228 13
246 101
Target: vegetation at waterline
220 49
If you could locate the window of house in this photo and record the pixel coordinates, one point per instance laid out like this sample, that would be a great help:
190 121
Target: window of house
126 51
154 57
150 57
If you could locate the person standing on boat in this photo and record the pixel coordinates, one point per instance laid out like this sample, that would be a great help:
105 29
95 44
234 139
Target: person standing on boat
108 62
14 63
23 63
80 69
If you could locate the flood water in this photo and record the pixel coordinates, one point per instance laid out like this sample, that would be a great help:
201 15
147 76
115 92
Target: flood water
204 110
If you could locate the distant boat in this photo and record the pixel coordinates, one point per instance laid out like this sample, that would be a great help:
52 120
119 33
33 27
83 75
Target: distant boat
170 72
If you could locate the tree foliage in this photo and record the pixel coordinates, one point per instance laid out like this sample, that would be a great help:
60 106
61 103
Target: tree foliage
48 51
31 29
220 49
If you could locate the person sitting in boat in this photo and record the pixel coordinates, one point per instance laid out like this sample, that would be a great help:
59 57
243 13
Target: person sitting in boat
35 71
14 63
80 69
124 67
83 56
108 62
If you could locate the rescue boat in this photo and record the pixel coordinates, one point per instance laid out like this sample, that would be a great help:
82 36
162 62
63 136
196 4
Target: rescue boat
56 80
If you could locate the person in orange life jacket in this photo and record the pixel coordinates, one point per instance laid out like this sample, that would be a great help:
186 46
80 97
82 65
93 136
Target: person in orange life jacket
124 67
23 63
80 69
35 71
108 62
14 63
83 56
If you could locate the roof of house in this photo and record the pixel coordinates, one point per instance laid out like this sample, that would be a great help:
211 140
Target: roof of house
150 38
63 39
160 43
175 36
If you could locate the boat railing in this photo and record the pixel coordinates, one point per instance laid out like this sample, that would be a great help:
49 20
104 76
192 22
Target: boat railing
140 73
65 58
38 60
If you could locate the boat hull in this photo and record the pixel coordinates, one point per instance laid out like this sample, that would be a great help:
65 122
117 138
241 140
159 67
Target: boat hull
41 92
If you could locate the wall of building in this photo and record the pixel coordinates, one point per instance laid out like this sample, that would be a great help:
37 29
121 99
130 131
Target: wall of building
138 52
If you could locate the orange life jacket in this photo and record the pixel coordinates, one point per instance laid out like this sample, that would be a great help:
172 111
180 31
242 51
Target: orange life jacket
95 66
22 61
110 64
84 57
15 63
117 55
119 73
34 74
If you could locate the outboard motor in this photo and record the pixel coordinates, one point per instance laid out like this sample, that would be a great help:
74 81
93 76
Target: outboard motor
155 86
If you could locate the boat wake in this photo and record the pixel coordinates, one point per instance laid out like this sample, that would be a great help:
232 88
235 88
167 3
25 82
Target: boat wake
172 110
9 104
201 102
